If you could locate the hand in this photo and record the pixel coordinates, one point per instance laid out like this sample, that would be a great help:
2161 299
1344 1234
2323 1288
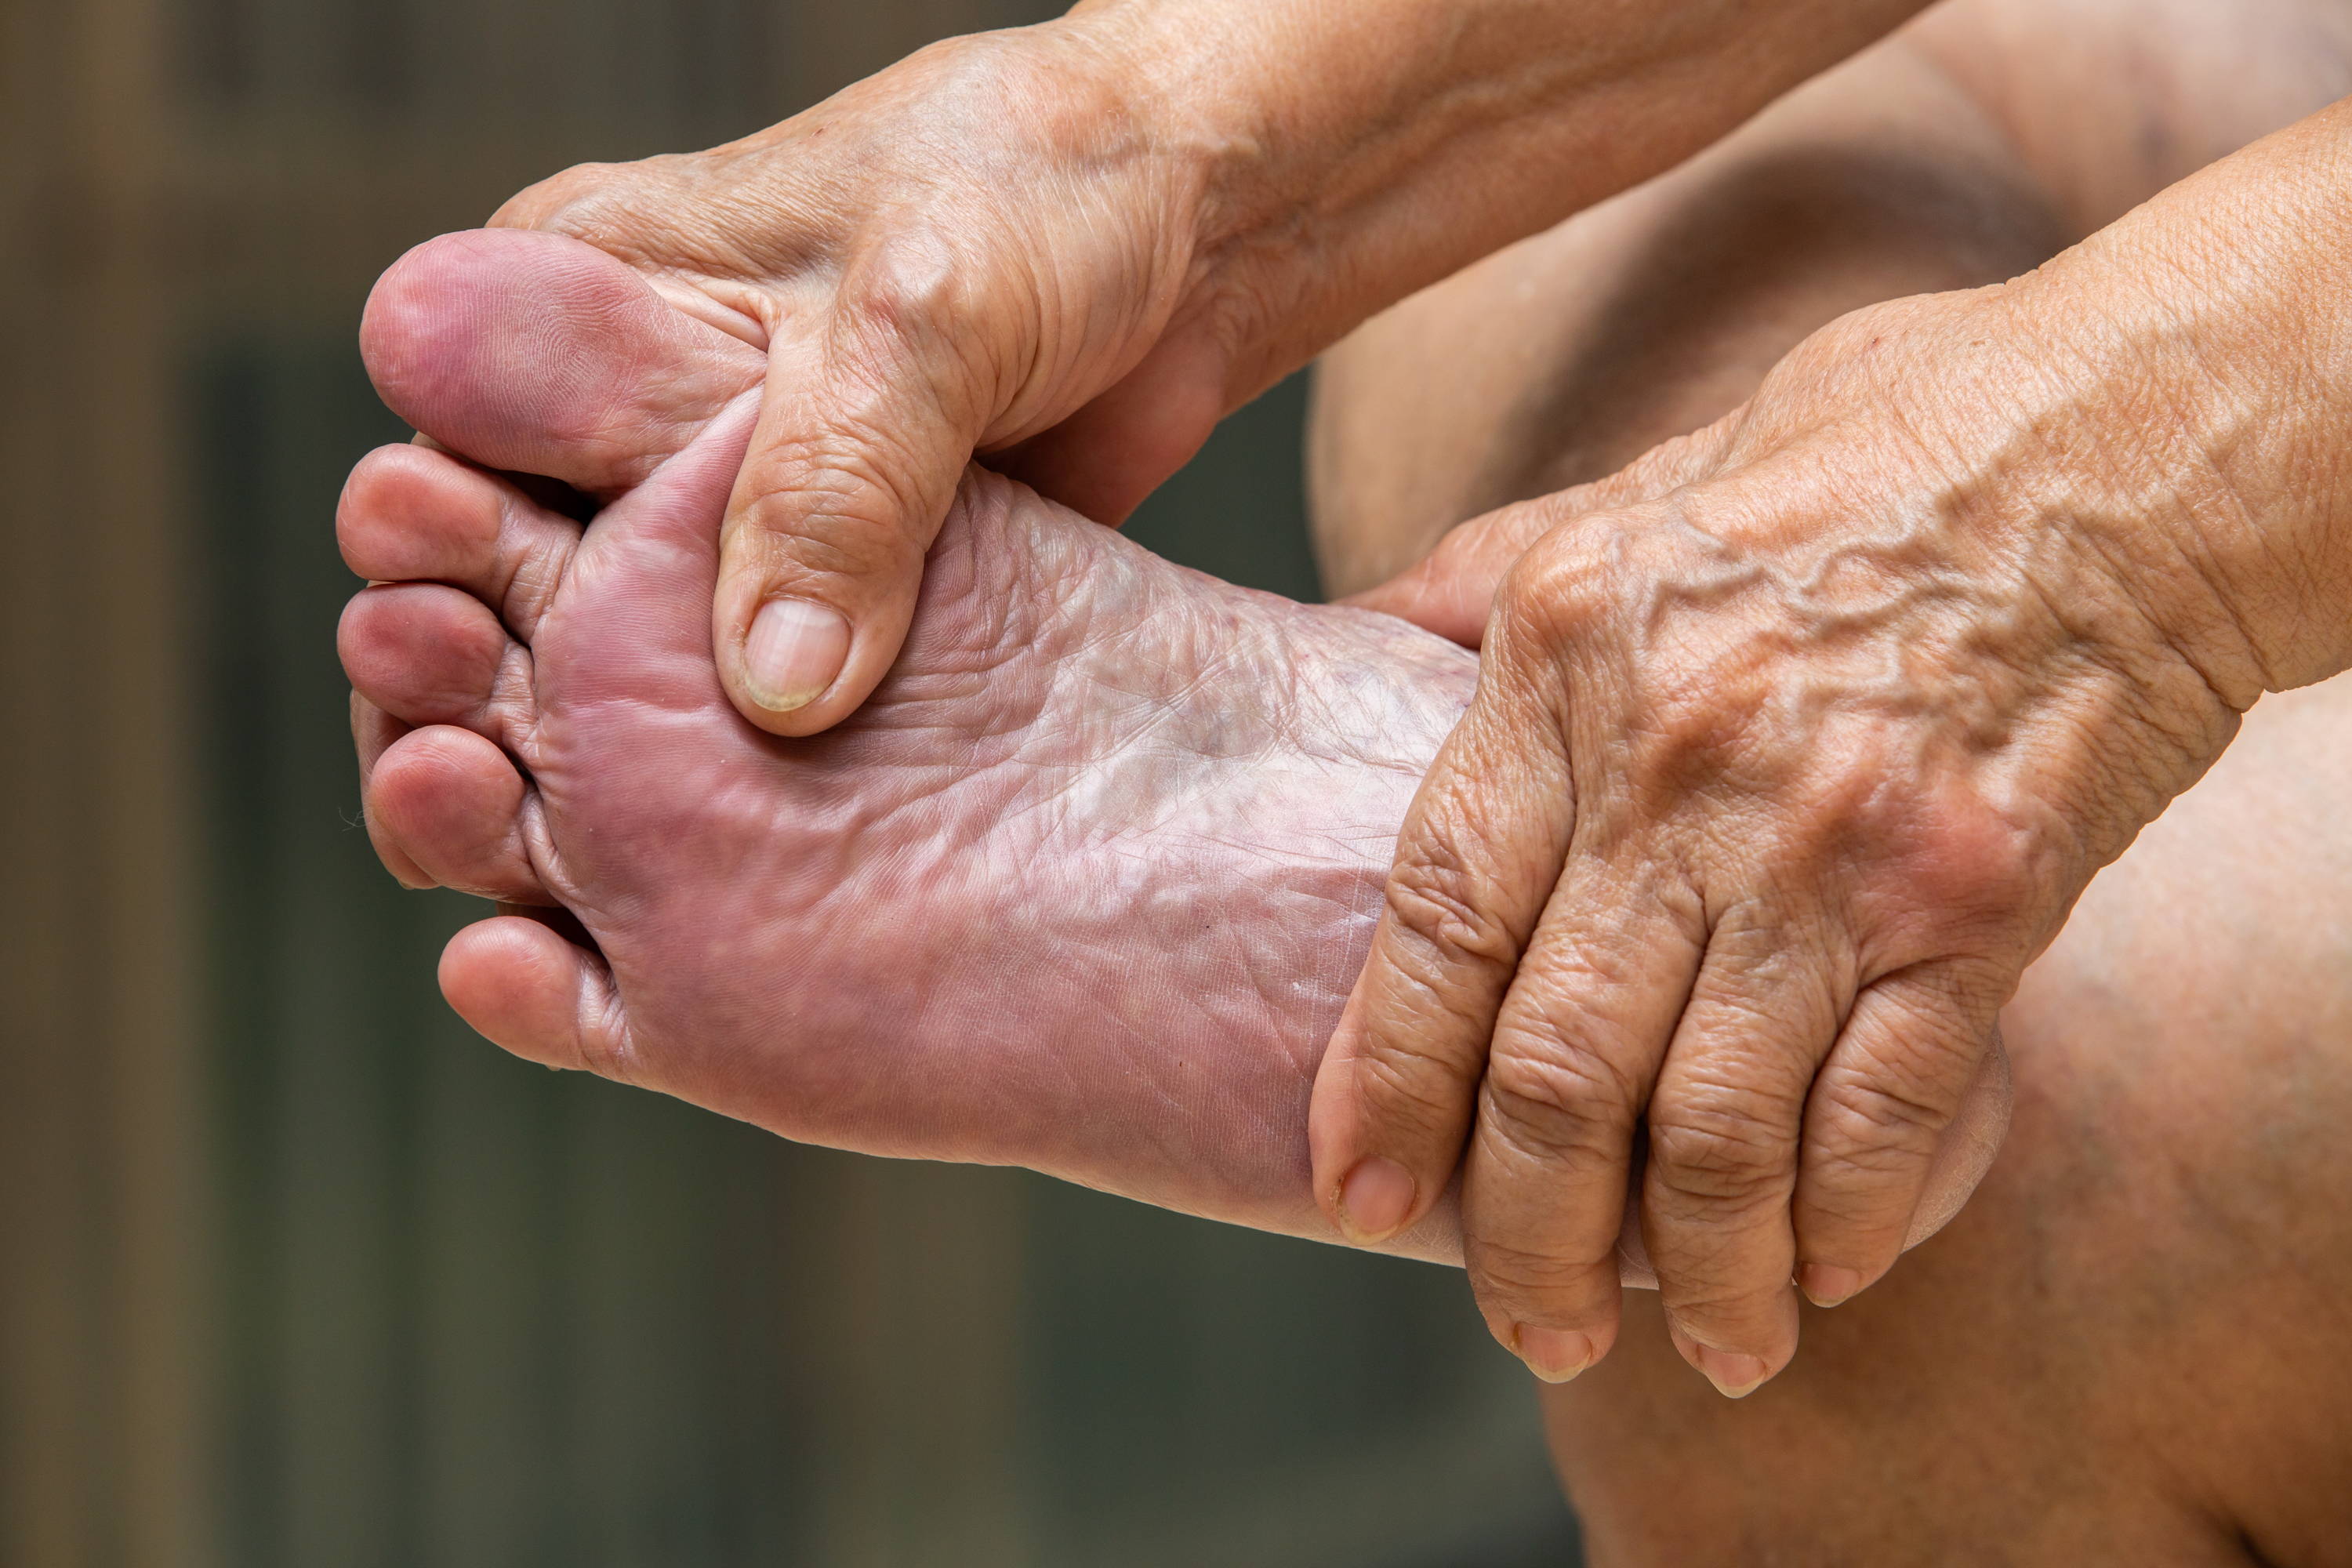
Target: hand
987 246
1792 746
1075 247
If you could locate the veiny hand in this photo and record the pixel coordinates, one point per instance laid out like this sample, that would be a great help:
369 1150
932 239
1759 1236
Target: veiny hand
986 247
1792 746
1075 247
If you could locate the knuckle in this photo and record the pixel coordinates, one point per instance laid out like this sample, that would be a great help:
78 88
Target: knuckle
1728 1157
912 289
1404 1084
1435 897
1546 1100
1871 1128
841 504
1565 588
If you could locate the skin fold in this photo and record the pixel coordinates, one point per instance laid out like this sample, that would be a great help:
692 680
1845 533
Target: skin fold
1082 889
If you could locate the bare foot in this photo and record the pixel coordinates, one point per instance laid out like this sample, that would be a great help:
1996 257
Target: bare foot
1082 888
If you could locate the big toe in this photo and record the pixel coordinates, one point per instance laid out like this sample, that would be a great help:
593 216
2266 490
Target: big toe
540 354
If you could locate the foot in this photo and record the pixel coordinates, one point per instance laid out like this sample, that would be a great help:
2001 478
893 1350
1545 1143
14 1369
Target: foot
1082 888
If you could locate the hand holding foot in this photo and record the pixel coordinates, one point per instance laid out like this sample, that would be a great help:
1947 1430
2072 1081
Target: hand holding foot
1078 245
1796 744
1084 889
1081 889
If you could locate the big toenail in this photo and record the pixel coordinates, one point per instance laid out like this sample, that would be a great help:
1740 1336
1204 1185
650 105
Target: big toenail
795 650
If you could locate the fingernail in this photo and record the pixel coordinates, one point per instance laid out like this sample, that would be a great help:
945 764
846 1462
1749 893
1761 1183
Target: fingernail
1735 1377
794 651
1375 1198
1553 1354
1826 1286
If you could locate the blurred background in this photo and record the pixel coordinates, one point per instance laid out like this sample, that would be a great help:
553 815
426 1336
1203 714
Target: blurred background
298 1272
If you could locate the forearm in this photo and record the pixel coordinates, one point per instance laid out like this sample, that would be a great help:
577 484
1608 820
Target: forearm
2211 335
1354 153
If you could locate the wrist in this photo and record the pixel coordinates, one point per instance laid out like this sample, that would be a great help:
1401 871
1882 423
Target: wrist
1349 156
2209 321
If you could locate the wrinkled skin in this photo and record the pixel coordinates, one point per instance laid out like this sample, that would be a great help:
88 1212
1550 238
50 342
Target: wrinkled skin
1075 247
1082 889
1796 743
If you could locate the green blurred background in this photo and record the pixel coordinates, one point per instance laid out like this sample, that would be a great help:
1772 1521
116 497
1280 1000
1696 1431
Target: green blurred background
298 1272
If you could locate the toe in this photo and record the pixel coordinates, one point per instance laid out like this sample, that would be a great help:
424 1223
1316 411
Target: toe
427 654
409 514
539 354
454 805
374 730
523 987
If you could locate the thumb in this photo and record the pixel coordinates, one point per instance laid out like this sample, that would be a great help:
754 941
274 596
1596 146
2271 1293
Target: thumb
1451 590
848 476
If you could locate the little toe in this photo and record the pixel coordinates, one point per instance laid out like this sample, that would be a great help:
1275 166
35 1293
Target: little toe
524 988
539 354
409 513
455 808
428 653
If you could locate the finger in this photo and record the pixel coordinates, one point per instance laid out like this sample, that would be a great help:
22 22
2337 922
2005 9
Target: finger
1451 591
427 654
1724 1125
1480 852
524 988
1575 1054
373 733
455 805
850 473
408 513
1878 1118
539 354
1102 462
1969 1148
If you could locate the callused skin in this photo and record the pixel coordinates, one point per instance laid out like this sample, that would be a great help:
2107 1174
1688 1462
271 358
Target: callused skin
1078 245
1082 888
1795 743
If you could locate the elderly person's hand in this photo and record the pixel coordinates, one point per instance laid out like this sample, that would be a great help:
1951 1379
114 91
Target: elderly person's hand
1076 246
1794 744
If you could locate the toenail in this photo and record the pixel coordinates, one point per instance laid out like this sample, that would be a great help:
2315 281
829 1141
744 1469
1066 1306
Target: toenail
1553 1354
1375 1198
794 651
